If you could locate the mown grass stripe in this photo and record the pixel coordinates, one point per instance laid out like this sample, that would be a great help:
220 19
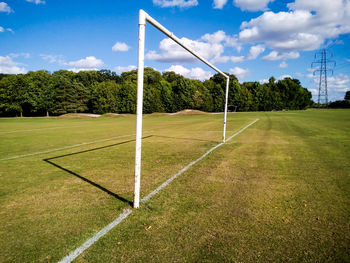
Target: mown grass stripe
74 254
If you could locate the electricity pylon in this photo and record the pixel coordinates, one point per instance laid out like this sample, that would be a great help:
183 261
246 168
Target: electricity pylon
322 70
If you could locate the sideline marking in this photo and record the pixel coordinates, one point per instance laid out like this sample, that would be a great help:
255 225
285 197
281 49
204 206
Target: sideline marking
64 148
49 128
74 254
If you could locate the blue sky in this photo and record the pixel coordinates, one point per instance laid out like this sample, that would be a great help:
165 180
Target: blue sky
253 39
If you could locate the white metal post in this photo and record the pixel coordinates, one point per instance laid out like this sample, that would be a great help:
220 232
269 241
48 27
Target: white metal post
225 113
140 70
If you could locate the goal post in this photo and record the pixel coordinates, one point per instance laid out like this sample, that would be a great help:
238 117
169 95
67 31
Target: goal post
143 18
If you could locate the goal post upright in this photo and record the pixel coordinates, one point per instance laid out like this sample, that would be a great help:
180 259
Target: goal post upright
140 74
225 111
143 18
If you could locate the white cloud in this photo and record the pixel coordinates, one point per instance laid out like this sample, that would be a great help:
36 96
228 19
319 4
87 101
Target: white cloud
283 65
306 25
336 86
255 51
4 7
172 52
221 37
120 69
240 73
175 3
339 83
37 2
252 5
193 73
216 37
53 58
8 66
209 46
120 46
263 81
5 29
88 63
314 92
274 55
284 77
236 59
219 4
16 55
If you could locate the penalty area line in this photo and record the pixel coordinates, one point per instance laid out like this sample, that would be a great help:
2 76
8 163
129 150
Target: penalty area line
75 253
39 129
65 147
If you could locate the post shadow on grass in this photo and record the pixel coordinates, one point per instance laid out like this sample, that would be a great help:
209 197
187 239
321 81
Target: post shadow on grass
49 161
91 182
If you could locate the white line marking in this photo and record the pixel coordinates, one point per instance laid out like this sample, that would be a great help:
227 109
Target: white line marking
63 148
74 254
40 129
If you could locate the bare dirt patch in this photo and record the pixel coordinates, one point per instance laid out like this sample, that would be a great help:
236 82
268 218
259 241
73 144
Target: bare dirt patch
115 115
79 116
189 112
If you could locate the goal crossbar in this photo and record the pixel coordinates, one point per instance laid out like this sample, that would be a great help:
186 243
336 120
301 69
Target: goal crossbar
143 18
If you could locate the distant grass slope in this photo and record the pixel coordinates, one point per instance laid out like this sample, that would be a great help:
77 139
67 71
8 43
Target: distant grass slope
280 191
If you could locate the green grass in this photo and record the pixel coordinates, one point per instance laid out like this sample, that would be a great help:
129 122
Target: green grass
280 191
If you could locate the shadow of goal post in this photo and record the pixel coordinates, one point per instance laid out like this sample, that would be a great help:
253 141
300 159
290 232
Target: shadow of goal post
143 18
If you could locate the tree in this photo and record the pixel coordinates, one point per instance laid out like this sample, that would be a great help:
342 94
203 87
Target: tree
152 100
13 94
166 96
347 95
104 91
182 91
217 95
105 97
70 96
126 97
41 94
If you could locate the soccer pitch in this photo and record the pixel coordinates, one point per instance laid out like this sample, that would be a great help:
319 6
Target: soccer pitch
278 191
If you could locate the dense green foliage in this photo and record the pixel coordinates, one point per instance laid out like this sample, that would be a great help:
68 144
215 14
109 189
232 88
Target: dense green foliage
39 93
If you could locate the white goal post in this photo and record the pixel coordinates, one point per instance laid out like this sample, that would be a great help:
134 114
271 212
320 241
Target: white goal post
143 17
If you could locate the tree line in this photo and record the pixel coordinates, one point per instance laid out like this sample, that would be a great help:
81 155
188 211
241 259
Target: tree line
40 93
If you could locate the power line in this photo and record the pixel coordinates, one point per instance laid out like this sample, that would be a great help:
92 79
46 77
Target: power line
343 66
322 70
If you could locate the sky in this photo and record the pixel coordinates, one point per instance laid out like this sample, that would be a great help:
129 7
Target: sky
253 39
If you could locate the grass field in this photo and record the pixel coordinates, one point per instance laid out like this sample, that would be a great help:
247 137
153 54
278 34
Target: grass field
279 191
